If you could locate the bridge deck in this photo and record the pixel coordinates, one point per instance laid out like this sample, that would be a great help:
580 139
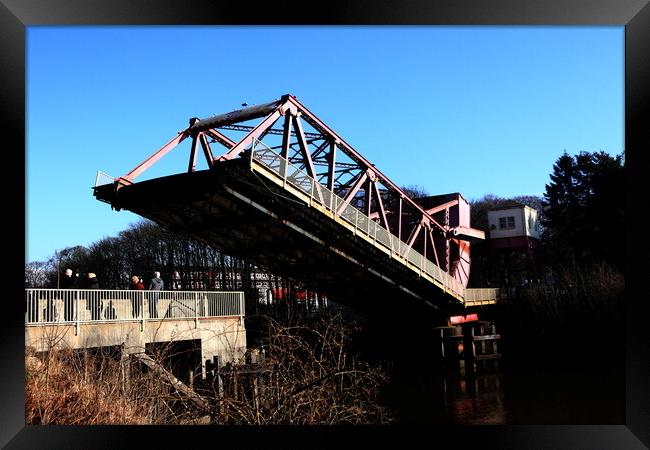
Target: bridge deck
265 210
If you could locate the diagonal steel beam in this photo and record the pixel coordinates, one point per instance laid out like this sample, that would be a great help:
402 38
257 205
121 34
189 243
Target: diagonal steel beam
400 220
369 196
414 234
304 149
221 138
382 210
347 171
255 133
151 160
439 208
192 164
207 151
331 160
350 195
309 165
320 149
315 122
286 135
433 245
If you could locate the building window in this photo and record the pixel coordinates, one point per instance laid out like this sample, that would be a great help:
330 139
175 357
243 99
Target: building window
506 223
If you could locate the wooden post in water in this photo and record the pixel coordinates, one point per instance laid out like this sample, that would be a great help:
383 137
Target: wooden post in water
469 348
469 351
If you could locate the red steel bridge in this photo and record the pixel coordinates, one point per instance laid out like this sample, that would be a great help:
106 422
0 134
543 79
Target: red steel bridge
286 192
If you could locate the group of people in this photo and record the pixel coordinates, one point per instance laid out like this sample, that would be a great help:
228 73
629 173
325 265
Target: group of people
156 284
69 281
94 303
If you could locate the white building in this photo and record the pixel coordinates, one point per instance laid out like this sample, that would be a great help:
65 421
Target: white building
514 221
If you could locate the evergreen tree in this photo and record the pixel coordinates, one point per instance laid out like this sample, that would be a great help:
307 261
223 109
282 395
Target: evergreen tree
584 209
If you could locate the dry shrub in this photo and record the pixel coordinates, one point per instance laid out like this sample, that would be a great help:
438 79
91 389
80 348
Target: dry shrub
65 387
577 315
594 292
312 379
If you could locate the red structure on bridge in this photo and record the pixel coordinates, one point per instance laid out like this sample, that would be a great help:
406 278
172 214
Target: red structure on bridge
291 195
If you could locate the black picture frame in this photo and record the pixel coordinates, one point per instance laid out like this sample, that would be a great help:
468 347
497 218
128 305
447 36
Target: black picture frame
16 15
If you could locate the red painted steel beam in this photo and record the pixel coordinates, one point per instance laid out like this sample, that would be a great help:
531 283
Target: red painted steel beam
240 115
414 234
435 222
352 193
346 171
433 244
207 151
382 211
286 135
461 272
399 222
368 190
466 233
221 138
304 149
255 133
317 161
290 107
151 160
192 164
320 149
347 148
439 208
424 235
247 128
447 243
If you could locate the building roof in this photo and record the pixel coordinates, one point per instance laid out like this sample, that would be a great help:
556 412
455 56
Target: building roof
511 206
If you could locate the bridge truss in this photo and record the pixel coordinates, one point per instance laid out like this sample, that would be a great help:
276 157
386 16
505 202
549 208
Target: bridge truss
289 194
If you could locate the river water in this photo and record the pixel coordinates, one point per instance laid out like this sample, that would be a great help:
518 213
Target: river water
505 399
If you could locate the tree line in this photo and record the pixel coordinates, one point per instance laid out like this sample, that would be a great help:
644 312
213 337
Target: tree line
581 214
184 263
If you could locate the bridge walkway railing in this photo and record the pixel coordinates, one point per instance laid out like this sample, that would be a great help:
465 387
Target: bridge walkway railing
484 296
285 174
80 306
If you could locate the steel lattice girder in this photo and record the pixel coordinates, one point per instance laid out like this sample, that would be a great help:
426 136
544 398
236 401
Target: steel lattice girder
437 226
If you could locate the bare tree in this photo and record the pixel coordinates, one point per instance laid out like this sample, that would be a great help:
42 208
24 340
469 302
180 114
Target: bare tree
311 378
36 274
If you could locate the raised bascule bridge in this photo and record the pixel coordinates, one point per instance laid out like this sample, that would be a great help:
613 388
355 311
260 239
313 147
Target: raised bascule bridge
287 193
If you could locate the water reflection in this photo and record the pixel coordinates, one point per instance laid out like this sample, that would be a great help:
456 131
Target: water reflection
433 398
474 401
507 398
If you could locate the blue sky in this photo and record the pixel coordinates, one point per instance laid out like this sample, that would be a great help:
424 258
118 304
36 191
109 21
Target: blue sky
475 110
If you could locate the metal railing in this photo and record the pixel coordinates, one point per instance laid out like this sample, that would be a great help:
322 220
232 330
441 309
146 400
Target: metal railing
48 306
380 236
103 178
481 296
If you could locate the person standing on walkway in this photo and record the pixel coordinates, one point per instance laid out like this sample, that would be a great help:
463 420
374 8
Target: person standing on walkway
136 285
69 281
94 301
156 284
